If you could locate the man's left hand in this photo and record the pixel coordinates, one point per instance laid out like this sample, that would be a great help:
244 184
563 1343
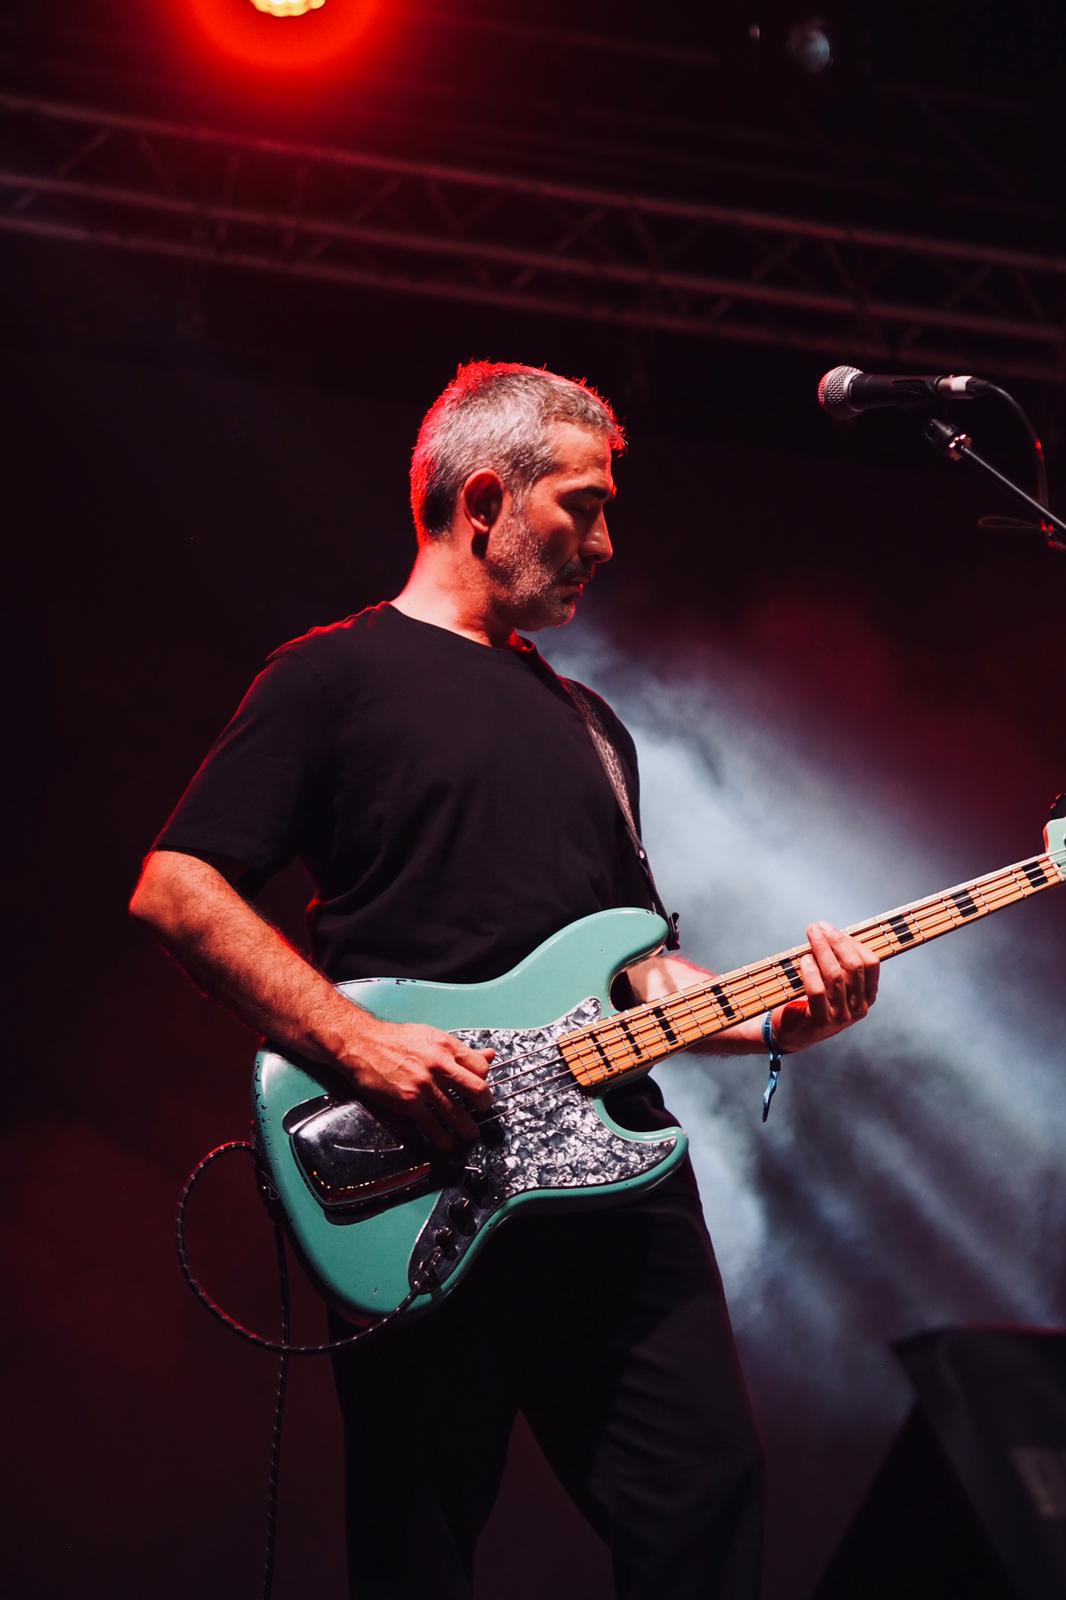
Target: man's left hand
840 977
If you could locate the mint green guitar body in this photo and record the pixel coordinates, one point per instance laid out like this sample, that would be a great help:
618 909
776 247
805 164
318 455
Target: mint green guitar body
376 1215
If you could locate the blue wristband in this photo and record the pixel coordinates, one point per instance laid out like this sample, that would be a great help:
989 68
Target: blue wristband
769 1039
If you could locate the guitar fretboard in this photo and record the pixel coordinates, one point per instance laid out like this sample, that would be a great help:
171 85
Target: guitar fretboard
633 1040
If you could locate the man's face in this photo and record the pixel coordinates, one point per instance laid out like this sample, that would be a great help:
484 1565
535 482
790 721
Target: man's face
543 551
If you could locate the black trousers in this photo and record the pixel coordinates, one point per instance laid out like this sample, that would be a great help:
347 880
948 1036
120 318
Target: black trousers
609 1331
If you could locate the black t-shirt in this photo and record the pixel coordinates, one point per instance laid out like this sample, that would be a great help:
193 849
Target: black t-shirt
445 796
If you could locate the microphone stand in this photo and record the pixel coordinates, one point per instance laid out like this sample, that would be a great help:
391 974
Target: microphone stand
957 445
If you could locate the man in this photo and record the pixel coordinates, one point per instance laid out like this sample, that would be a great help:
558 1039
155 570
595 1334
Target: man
442 787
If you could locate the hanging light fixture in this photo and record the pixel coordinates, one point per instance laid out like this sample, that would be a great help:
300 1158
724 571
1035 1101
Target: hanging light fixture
287 8
326 34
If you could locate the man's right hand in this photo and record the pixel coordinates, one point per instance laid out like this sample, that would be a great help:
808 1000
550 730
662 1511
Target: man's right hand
404 1067
419 1072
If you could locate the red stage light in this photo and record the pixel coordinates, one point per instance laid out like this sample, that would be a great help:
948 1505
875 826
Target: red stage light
287 8
251 35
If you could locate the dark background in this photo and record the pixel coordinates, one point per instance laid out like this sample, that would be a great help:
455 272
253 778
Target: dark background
203 463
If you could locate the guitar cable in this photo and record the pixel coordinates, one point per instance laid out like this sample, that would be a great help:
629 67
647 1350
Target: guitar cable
282 1347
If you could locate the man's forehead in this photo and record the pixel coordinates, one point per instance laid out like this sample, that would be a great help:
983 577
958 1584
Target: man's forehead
583 455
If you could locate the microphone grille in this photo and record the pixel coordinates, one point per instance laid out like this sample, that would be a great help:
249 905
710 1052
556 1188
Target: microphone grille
833 390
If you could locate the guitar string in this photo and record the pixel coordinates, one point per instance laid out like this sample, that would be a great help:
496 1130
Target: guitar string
770 967
995 896
699 993
685 1005
1005 894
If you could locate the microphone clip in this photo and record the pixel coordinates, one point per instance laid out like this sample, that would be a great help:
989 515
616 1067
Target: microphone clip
952 441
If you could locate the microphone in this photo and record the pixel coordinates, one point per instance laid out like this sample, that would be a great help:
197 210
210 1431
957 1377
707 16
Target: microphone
847 392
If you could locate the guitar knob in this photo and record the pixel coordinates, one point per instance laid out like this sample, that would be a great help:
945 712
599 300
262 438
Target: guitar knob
444 1239
461 1212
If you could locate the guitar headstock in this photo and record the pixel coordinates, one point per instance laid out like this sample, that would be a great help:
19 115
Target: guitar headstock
1055 834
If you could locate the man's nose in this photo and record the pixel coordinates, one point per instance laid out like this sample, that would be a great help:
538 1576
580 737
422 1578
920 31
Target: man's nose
596 545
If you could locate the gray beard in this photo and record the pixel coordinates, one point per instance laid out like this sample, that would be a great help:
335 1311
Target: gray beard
517 565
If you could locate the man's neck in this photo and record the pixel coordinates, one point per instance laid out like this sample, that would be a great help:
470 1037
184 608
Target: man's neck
434 593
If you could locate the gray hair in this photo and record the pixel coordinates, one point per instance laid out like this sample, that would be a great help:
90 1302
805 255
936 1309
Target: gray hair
496 414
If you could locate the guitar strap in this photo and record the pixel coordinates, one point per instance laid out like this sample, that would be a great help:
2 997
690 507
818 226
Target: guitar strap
611 762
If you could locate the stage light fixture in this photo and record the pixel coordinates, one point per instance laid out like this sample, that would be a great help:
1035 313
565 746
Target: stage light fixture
287 8
325 43
809 45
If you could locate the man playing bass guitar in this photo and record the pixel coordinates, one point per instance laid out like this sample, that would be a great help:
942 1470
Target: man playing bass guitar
440 784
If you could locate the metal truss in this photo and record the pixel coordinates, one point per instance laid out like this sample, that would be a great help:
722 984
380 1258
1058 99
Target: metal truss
462 233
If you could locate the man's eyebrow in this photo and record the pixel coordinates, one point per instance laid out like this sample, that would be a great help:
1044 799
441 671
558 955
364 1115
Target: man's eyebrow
596 490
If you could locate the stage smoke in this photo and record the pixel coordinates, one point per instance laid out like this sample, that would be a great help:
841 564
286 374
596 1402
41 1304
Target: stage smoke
910 1174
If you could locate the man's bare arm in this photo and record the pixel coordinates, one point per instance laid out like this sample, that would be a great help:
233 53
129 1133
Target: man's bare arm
238 958
840 979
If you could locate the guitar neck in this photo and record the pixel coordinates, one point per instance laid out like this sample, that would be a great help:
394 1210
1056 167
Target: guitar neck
634 1040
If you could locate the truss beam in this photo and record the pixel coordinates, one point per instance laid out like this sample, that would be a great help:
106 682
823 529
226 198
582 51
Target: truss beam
347 216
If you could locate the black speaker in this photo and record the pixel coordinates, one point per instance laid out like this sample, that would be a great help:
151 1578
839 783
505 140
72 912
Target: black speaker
970 1502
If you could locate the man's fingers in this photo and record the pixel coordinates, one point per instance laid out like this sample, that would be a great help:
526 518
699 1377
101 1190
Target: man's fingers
862 971
453 1115
476 1060
871 973
473 1091
470 1080
831 975
430 1077
430 1125
817 1003
849 971
441 1119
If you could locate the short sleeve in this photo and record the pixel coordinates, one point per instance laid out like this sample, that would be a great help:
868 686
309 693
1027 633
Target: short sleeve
250 798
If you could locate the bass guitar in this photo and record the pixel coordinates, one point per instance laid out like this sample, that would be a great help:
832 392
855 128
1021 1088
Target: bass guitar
385 1223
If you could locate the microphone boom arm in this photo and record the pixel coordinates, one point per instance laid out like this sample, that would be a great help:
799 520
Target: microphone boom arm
959 446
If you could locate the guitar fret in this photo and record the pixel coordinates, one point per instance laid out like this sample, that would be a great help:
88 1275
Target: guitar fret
788 967
978 892
594 1039
722 998
694 1016
707 1006
661 1018
627 1030
649 1032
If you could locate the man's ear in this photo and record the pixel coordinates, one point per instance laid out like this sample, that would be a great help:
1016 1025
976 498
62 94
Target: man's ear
481 502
